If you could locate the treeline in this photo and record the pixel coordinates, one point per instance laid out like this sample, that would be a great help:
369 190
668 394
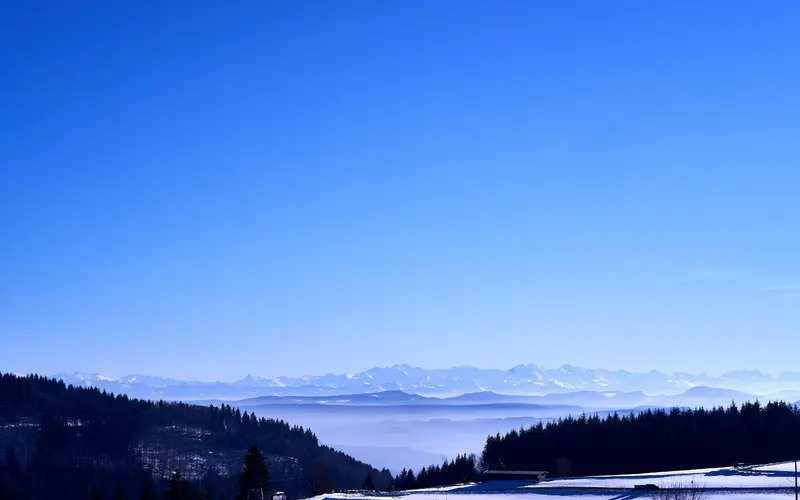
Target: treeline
462 469
655 440
59 441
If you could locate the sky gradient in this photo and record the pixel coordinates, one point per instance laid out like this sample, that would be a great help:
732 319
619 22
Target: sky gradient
203 190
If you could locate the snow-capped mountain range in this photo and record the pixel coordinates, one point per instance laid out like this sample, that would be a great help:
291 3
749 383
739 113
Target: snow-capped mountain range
528 379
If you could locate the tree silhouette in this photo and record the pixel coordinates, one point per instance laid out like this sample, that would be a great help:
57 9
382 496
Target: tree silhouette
368 484
411 481
255 476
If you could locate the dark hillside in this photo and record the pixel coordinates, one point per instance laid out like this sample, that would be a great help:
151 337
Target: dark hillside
59 441
659 440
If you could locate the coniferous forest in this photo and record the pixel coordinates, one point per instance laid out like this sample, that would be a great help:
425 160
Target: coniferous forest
462 469
59 441
650 441
659 440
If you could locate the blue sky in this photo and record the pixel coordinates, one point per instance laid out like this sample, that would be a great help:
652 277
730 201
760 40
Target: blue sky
205 190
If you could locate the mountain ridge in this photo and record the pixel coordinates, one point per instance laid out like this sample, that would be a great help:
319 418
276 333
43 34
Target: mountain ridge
523 379
578 400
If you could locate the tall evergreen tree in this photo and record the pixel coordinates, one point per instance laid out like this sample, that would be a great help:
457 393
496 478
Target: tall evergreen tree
368 484
255 476
401 482
411 480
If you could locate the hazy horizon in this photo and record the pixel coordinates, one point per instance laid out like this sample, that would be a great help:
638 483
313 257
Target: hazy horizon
428 368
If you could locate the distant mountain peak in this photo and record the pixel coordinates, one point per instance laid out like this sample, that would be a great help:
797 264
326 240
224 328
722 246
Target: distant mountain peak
522 379
713 391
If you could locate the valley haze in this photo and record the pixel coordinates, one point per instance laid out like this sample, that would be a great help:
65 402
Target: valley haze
405 416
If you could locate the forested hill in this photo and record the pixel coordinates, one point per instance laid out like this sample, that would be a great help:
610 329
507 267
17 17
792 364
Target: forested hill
651 441
59 441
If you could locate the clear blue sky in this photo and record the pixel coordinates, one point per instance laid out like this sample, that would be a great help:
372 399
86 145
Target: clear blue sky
205 190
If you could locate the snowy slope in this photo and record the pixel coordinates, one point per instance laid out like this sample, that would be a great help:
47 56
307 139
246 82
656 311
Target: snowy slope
772 481
572 495
772 476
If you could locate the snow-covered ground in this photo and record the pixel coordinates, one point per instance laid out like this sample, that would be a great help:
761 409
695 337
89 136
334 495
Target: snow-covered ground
577 495
763 482
758 477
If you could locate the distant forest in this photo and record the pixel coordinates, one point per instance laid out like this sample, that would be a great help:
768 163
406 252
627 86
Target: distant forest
462 469
59 441
651 441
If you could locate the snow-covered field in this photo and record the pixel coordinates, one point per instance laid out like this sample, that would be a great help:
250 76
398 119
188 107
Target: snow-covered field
576 495
758 477
764 482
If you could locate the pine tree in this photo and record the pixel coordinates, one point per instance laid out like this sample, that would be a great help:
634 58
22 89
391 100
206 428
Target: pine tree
255 476
368 484
411 480
402 480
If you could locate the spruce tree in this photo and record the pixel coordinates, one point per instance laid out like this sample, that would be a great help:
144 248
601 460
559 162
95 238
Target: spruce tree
412 481
255 476
368 484
402 480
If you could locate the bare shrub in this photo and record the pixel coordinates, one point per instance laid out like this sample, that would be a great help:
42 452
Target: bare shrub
681 490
